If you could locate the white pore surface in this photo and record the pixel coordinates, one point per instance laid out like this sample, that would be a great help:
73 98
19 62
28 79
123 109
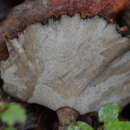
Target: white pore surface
65 59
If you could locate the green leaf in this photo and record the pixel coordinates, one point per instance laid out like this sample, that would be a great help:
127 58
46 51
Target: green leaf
13 113
109 113
79 125
117 125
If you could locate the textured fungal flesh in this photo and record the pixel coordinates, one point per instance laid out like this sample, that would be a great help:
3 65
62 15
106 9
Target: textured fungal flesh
41 10
71 60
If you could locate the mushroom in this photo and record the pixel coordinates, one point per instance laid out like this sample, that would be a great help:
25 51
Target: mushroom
74 62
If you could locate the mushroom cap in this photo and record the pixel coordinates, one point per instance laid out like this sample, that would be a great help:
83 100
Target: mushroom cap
80 63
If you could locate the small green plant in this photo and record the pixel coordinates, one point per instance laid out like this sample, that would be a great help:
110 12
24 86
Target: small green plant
79 125
108 115
11 113
117 125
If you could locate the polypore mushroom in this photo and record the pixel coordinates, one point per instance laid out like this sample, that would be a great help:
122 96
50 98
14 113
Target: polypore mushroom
68 62
72 62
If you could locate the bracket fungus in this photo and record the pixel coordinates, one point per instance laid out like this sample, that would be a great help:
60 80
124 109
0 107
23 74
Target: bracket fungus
74 62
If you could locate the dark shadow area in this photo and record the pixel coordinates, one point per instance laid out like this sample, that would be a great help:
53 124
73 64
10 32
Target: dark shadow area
16 2
125 113
91 118
1 83
6 6
39 118
123 21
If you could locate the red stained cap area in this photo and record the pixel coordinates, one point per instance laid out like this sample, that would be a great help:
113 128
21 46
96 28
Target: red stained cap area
30 12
